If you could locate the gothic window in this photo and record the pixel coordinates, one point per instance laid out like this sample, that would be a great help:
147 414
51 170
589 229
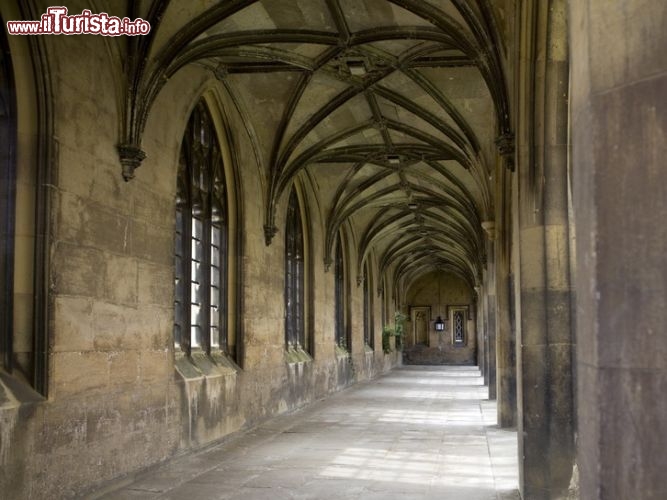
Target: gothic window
339 277
295 336
7 204
368 309
23 238
458 322
201 250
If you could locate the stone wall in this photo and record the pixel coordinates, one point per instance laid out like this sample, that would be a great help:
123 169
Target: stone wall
440 291
619 124
119 397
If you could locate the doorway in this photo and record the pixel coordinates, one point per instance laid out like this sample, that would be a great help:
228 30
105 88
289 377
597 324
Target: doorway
421 319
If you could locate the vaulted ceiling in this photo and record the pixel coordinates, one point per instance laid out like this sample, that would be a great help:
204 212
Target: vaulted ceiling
390 109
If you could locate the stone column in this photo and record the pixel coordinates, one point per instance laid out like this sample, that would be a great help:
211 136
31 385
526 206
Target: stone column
619 130
544 349
505 337
480 326
490 319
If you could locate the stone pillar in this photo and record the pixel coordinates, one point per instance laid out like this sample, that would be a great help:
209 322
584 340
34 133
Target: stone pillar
619 130
480 326
505 337
544 349
490 320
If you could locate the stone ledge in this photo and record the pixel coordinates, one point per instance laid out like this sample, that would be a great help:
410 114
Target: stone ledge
341 352
14 393
293 356
200 365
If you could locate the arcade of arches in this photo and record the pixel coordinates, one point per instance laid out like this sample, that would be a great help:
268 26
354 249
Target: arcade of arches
221 221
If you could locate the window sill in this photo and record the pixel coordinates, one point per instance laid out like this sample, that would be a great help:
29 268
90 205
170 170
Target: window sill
200 365
293 356
341 352
15 393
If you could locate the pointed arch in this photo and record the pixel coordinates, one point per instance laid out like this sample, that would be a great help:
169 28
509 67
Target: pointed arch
295 331
202 248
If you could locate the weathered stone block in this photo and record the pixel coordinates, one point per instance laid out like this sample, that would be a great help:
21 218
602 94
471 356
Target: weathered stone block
109 189
156 366
155 284
110 327
73 324
633 439
159 209
152 243
124 368
105 229
74 174
533 317
120 280
77 372
77 270
636 55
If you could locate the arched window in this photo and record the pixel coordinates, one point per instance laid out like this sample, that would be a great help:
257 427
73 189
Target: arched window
339 277
295 334
23 226
368 308
8 126
201 247
458 319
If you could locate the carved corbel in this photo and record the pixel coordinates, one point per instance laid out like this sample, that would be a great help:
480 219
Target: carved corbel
489 227
505 145
131 157
269 233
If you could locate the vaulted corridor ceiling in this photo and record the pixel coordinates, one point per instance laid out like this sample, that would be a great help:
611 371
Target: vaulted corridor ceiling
392 109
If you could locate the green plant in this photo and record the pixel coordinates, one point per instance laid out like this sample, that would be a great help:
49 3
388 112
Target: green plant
387 332
398 331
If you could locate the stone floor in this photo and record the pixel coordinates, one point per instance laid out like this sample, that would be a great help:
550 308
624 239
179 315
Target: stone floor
419 432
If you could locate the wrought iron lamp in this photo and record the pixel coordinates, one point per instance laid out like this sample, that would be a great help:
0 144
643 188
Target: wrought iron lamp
439 325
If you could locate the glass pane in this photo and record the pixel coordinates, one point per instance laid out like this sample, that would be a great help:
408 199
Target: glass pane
215 236
195 336
197 229
458 326
215 337
177 335
215 257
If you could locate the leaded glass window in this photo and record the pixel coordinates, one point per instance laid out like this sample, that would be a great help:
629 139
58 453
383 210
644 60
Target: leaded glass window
295 336
368 312
339 277
201 253
7 203
459 326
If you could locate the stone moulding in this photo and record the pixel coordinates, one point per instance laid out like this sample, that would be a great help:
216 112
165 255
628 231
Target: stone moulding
131 157
505 145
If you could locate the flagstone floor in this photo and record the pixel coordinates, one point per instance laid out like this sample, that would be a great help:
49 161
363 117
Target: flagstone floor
418 432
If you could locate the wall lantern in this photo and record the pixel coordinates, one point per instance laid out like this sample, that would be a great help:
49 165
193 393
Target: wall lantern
439 325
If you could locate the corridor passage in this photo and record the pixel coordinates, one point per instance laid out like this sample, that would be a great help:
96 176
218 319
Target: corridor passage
416 433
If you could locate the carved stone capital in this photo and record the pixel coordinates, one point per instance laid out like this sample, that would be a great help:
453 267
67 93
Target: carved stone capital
489 227
131 157
220 72
269 233
505 145
327 264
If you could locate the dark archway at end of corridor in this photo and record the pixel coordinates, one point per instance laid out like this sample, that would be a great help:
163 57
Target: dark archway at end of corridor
440 296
